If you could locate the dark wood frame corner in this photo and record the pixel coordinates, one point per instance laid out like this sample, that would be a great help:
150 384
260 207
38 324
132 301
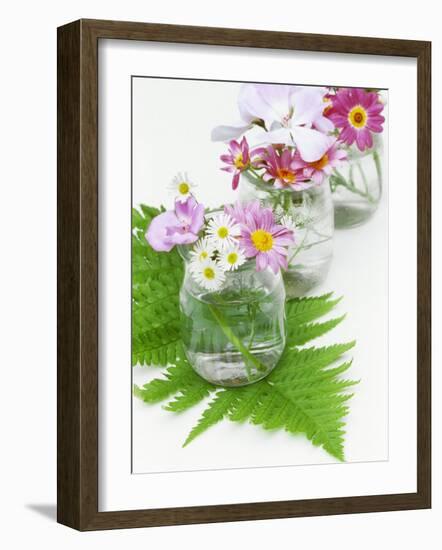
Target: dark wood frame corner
77 225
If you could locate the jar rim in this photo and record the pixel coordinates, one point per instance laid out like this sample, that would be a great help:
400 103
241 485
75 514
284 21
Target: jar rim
271 190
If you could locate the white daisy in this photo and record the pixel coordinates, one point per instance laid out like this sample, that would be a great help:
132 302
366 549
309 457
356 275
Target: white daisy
181 186
201 252
222 231
231 258
209 275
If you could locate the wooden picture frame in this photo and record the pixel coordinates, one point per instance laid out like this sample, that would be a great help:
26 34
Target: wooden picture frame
77 461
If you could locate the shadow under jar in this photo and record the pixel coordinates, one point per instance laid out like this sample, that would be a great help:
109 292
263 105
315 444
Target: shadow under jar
357 188
311 211
233 336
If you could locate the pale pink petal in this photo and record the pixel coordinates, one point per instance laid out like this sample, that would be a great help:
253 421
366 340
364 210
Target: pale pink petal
311 144
197 218
156 234
261 261
226 133
324 124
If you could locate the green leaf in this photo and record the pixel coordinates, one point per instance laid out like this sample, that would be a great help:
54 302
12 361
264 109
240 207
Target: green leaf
215 412
299 335
156 280
305 310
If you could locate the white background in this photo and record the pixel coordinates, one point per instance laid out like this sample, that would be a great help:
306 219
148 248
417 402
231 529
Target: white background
28 96
359 273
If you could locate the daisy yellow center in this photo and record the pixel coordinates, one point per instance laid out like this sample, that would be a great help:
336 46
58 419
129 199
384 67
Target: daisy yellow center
357 117
286 175
232 258
223 232
183 188
321 163
238 161
262 240
204 255
209 273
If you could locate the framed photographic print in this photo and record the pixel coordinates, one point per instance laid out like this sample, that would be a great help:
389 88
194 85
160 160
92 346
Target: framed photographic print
243 275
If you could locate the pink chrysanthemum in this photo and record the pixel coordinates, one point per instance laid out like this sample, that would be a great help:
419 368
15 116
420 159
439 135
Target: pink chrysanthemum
357 113
284 167
263 239
317 171
239 211
238 159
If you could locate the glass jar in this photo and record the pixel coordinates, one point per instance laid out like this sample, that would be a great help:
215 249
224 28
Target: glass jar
357 188
311 211
233 336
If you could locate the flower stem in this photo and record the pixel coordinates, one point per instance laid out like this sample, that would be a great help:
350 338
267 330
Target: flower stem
231 336
338 179
377 162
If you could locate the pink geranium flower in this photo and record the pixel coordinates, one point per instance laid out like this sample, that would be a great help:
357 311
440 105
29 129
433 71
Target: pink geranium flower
284 167
317 171
176 227
263 239
357 113
238 159
289 114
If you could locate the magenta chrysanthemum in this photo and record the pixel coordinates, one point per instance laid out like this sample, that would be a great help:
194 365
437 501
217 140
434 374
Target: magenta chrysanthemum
263 239
238 159
357 113
284 167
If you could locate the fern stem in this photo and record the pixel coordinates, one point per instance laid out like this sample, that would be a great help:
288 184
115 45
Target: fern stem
231 336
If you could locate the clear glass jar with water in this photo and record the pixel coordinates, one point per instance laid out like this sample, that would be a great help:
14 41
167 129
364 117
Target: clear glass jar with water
357 187
311 211
236 335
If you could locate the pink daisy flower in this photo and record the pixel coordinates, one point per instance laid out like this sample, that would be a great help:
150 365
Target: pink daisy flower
239 211
263 239
318 170
358 114
238 159
284 167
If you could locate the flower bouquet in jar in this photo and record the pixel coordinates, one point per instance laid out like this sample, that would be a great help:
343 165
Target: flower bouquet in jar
232 298
285 157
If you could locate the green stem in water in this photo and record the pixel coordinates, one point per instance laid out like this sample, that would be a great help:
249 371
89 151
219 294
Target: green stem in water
338 179
377 162
231 336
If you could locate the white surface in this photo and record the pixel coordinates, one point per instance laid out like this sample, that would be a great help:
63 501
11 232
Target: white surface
28 309
359 273
118 488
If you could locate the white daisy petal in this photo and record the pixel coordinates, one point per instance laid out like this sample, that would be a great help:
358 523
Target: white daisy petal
209 275
222 231
202 251
231 258
181 186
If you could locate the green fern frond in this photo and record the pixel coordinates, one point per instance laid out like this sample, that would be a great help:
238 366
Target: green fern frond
189 396
301 334
179 378
156 280
306 393
305 310
217 409
158 346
